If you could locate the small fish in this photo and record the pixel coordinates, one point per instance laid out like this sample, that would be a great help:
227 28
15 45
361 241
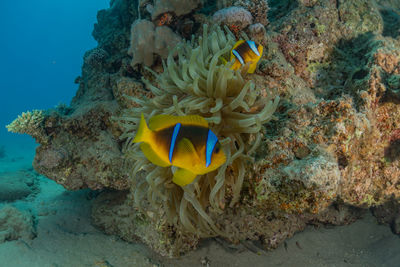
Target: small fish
246 52
185 142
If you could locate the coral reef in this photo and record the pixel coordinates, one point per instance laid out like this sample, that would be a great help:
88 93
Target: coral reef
364 16
197 84
389 213
257 32
15 224
174 6
95 57
29 123
114 214
331 147
257 8
236 16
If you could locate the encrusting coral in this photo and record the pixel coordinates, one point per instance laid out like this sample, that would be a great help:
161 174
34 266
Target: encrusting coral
198 83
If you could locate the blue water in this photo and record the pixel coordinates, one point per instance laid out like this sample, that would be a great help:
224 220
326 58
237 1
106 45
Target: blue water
42 45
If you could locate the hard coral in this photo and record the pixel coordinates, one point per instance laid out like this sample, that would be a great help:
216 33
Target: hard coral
197 83
28 123
95 57
237 16
257 32
257 8
175 6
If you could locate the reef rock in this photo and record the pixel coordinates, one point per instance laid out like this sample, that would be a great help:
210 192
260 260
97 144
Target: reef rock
313 135
15 224
257 8
177 7
237 16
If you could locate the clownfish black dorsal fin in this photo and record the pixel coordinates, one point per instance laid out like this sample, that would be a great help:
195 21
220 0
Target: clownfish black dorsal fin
163 121
237 44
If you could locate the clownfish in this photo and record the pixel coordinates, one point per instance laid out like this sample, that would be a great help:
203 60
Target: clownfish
185 142
246 52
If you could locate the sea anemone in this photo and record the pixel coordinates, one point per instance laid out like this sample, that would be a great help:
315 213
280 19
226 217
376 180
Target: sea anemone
197 82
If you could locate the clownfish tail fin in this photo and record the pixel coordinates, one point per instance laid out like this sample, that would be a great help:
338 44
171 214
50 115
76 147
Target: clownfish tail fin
143 134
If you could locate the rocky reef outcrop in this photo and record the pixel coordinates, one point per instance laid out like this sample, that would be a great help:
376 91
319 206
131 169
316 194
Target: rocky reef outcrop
330 75
16 224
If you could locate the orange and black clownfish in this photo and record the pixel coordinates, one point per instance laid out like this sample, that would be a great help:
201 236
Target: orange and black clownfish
246 52
185 142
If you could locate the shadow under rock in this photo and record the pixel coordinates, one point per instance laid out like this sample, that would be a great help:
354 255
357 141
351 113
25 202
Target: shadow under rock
392 152
280 8
391 21
346 70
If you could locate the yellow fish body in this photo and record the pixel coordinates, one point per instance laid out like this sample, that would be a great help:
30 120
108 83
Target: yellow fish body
246 52
185 142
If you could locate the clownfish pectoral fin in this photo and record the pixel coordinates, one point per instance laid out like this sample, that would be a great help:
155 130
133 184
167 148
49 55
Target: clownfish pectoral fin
252 67
183 177
236 65
152 156
163 121
143 133
186 151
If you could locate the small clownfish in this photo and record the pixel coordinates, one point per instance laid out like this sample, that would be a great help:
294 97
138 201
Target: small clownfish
185 142
245 52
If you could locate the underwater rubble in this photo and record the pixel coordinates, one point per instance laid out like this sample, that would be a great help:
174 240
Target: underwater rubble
16 224
326 93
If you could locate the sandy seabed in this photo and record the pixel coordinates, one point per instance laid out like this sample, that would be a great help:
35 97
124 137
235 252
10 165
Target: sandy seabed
64 236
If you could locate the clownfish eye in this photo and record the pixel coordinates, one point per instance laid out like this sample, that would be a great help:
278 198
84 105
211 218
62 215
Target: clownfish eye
217 148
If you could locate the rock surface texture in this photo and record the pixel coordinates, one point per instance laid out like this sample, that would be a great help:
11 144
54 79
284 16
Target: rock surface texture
332 148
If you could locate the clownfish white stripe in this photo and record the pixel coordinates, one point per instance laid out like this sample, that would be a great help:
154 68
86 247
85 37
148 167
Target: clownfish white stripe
253 47
239 57
173 140
212 140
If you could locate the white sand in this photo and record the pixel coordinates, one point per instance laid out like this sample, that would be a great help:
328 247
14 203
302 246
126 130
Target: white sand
65 237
